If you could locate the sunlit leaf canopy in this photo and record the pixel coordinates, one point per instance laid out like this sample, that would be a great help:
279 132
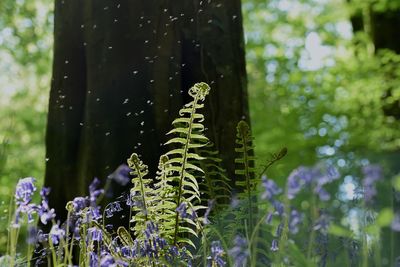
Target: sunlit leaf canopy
315 87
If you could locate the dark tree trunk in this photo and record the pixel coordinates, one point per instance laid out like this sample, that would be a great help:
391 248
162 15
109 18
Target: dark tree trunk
121 72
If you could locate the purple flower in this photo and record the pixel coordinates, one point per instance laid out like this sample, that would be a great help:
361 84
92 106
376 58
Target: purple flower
121 175
314 177
107 261
239 252
25 190
268 219
372 173
93 259
94 234
274 245
94 192
217 253
46 214
294 220
56 234
279 230
271 189
182 210
80 203
279 207
112 208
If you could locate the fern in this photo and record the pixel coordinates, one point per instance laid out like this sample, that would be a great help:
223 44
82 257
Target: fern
247 182
164 193
215 184
188 135
141 194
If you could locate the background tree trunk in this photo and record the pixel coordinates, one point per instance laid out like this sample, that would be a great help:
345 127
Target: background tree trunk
121 72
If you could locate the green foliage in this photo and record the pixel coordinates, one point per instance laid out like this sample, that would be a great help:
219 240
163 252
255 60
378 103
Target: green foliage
245 170
215 184
141 194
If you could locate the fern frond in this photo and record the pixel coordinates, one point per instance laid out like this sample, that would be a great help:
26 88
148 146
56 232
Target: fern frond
180 171
141 193
215 184
246 181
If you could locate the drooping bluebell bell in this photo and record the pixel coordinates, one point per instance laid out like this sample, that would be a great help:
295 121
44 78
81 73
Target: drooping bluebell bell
294 221
56 234
239 252
46 214
271 188
182 210
121 175
274 245
94 192
217 253
94 234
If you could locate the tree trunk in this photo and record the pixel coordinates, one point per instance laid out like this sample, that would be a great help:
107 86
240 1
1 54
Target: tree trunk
121 72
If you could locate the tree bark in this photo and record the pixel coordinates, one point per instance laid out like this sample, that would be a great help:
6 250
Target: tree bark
121 72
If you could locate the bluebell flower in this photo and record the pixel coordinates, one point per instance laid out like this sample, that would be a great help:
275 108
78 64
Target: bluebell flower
94 234
80 203
107 260
239 252
268 219
271 188
112 208
279 207
279 230
372 174
93 259
182 210
217 253
94 192
24 190
274 245
121 175
45 213
56 234
294 220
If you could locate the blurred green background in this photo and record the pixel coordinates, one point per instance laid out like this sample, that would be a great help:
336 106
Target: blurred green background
315 87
